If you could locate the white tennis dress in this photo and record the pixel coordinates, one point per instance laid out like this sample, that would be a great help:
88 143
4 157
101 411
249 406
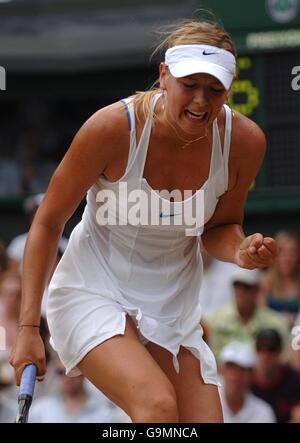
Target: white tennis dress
151 272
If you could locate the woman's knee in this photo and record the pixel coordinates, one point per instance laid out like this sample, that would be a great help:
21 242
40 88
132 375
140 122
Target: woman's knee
155 404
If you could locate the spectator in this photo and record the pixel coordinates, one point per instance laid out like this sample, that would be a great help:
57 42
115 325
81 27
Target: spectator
216 289
15 249
275 382
10 180
239 404
10 298
280 286
242 318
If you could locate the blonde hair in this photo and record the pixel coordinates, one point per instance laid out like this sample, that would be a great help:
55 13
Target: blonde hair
273 272
187 33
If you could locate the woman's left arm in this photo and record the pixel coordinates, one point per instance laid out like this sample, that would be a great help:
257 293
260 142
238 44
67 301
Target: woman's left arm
223 235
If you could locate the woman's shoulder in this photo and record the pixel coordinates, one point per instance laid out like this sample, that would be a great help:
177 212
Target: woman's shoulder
105 134
111 119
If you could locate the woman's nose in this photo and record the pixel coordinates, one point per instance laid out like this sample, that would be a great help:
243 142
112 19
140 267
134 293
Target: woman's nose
200 97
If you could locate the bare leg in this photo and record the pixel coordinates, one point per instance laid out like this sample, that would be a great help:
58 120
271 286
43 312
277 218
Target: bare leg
123 369
197 402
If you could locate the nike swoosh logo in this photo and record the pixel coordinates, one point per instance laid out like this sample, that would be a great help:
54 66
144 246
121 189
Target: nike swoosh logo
167 215
208 53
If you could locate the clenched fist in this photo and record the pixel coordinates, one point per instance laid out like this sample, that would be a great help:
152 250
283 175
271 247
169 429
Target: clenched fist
256 251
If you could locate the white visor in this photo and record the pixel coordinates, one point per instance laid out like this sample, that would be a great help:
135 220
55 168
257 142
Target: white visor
183 60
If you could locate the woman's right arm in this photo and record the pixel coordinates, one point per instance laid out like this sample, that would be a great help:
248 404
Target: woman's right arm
83 163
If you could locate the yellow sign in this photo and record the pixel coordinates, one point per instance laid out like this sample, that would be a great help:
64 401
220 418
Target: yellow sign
245 89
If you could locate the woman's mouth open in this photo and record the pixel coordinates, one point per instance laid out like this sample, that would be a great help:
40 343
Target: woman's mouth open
196 116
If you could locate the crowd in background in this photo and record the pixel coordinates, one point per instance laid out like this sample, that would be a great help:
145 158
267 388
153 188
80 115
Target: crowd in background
34 137
252 323
251 320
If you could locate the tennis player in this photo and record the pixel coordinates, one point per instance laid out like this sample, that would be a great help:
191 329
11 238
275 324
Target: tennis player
123 302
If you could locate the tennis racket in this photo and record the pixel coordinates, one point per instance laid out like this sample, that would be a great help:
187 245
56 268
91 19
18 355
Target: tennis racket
26 390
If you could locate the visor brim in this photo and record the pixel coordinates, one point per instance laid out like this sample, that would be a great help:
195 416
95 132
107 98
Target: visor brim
185 68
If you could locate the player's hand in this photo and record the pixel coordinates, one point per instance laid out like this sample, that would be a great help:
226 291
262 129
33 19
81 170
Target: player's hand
28 348
256 251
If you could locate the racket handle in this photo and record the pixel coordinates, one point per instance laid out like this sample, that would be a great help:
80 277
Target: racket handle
27 381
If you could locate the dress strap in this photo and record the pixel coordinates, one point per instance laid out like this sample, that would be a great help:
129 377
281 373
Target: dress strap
128 103
145 137
227 139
